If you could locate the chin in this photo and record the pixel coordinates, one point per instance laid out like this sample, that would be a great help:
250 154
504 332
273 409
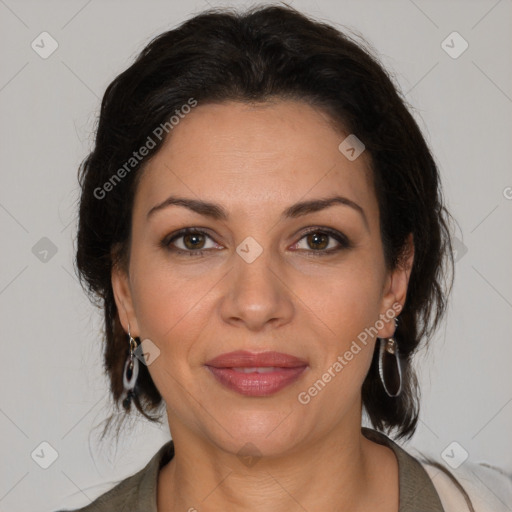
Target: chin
259 432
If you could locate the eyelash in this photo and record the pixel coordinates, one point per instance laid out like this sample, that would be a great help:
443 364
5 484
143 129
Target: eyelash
339 237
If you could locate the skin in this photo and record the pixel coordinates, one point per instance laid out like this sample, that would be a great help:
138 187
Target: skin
255 161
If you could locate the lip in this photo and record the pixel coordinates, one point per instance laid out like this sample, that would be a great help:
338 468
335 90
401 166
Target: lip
245 359
286 369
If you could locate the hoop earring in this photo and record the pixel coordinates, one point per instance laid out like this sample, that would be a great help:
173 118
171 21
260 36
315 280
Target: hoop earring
390 367
130 373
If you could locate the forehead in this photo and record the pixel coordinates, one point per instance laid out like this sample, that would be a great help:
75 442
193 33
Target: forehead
253 156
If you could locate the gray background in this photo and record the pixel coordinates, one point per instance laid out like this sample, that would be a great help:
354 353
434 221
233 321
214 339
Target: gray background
52 385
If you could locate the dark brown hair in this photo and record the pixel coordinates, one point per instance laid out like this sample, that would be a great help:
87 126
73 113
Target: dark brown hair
263 54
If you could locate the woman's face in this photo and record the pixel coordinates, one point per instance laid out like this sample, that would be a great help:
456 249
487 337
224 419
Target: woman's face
266 275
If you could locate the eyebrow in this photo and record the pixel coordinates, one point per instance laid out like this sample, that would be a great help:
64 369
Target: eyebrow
217 212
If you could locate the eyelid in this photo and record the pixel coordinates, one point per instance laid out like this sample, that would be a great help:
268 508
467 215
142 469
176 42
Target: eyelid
342 240
168 240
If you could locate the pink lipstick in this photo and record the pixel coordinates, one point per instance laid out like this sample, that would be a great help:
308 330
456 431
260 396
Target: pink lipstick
256 374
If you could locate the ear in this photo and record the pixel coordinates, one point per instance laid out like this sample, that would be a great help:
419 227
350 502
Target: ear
123 296
395 289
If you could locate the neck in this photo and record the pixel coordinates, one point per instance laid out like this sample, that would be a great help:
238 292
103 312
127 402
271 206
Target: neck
341 471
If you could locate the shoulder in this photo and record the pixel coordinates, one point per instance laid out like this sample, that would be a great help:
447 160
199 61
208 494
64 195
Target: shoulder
136 492
118 498
489 488
115 499
425 481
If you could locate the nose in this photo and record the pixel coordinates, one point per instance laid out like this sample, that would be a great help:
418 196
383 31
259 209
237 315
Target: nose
257 296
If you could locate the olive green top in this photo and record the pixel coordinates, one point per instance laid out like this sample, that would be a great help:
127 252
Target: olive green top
138 493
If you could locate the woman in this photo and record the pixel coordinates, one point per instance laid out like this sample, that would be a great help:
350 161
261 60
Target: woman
263 222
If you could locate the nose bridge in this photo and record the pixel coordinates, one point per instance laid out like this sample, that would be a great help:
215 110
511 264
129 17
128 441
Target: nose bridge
253 266
256 294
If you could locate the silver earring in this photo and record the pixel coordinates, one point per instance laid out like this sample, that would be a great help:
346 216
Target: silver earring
130 374
390 366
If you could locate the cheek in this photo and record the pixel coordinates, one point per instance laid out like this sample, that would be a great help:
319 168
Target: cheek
170 312
348 309
348 300
171 305
172 302
174 305
345 310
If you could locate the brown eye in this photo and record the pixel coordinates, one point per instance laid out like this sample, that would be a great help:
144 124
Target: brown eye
323 241
193 241
318 240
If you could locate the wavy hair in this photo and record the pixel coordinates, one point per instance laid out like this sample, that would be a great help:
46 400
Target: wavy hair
263 54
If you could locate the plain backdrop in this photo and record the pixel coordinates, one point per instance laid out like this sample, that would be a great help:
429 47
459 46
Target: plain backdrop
53 388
